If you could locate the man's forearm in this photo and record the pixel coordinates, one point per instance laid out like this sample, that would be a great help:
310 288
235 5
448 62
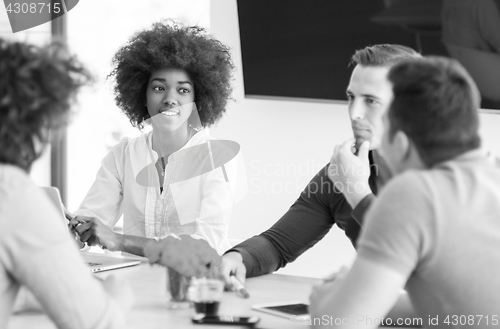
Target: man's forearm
259 256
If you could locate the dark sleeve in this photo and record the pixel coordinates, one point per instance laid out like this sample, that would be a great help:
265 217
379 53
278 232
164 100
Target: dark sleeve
360 210
302 226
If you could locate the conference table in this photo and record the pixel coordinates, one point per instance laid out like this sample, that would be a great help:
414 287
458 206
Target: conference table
149 311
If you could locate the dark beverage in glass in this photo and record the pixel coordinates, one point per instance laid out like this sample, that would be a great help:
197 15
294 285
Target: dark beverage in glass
206 295
208 308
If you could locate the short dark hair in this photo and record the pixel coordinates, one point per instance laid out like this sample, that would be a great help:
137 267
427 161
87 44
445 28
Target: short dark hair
383 55
436 105
171 45
37 86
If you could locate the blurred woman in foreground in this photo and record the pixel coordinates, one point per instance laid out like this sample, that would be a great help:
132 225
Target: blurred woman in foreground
37 86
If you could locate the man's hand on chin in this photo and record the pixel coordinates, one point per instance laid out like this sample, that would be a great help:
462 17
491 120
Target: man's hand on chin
350 172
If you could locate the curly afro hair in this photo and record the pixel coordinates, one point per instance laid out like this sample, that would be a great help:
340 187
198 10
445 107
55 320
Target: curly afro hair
37 85
171 45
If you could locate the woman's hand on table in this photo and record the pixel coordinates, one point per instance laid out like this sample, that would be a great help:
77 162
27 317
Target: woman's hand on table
93 232
184 254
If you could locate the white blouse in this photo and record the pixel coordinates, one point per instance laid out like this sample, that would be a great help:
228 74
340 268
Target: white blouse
193 202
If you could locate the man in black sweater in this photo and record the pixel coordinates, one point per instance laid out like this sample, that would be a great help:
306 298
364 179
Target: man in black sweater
341 192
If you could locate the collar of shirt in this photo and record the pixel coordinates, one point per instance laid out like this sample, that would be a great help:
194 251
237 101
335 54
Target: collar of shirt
198 138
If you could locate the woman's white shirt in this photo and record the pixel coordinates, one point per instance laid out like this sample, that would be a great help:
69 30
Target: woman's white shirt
194 203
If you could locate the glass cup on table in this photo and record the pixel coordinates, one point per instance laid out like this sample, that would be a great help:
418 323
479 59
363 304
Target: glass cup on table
177 290
206 295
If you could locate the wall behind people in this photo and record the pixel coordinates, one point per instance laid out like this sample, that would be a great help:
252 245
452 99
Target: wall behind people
284 144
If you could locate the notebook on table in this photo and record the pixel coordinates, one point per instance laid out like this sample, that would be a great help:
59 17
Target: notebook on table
96 262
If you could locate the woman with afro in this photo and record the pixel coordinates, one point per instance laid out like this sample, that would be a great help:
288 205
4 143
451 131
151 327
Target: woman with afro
176 80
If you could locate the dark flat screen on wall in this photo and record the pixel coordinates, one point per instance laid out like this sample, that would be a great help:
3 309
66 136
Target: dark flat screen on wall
302 48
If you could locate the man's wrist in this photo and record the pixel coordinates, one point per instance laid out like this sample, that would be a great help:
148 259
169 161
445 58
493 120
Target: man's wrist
235 255
355 197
